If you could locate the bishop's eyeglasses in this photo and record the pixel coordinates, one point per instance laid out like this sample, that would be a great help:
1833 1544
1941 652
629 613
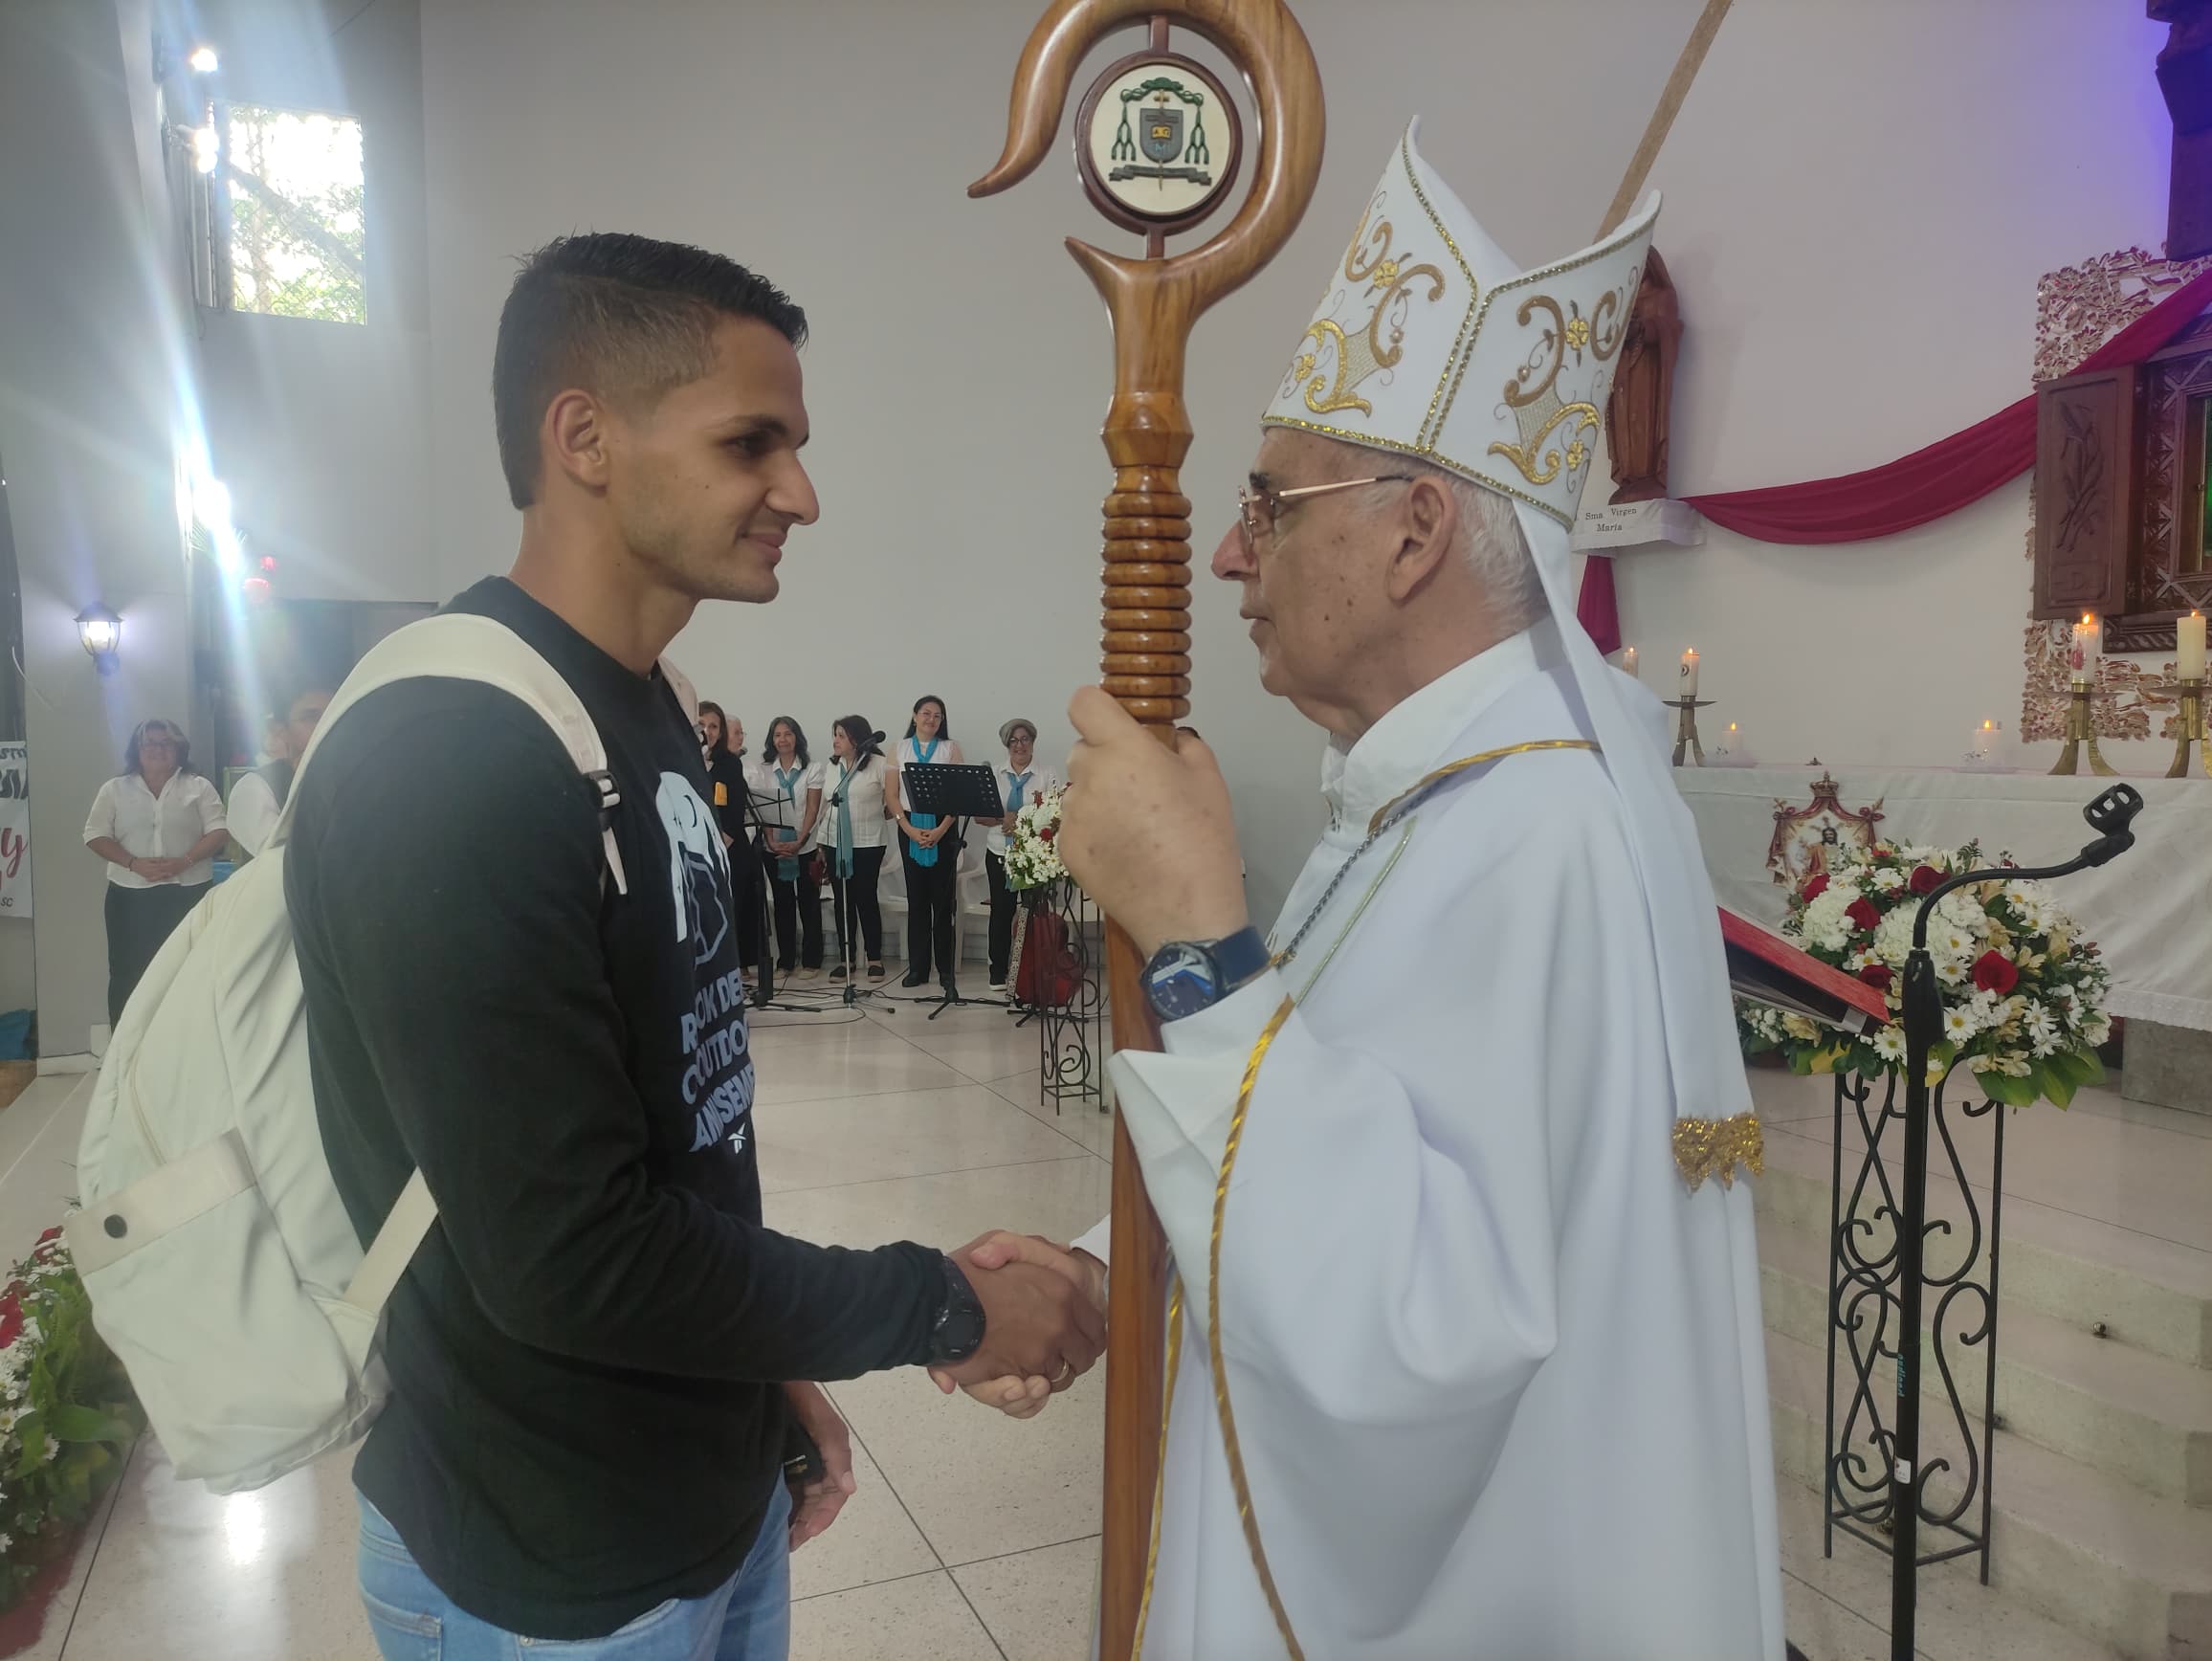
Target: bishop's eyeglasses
1259 510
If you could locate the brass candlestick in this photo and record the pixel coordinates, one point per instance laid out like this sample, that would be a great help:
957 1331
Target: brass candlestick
1686 729
2081 729
2191 728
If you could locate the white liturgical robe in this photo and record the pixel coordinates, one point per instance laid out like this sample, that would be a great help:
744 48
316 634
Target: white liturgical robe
1495 1372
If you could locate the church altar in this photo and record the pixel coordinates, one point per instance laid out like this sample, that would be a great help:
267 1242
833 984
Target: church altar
2149 910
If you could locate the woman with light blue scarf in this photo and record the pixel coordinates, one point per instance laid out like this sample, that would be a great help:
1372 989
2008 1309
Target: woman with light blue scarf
929 851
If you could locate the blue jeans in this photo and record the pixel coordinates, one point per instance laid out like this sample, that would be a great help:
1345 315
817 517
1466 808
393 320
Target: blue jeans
747 1618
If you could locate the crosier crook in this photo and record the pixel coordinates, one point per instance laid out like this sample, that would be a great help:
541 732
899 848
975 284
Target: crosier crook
1152 303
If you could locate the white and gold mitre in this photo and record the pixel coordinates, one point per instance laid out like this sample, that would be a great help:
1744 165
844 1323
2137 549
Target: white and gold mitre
1430 342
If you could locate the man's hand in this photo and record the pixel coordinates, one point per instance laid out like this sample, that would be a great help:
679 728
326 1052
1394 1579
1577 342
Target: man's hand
1018 1397
1147 830
815 1505
1037 1322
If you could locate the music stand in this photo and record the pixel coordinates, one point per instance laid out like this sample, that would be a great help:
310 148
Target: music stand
953 791
765 998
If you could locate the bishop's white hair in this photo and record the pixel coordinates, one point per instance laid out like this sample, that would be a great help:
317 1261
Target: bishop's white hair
1490 539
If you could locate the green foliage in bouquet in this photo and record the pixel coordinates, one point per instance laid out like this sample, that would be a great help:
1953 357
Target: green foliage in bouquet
67 1412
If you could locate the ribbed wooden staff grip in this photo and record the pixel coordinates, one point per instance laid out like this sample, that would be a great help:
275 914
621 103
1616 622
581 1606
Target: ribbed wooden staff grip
1145 636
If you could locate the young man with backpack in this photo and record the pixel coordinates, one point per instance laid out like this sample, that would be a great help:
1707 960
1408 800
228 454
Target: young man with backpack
524 982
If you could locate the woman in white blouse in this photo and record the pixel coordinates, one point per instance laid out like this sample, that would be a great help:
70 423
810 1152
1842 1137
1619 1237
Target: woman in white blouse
856 820
929 848
790 817
1021 782
159 827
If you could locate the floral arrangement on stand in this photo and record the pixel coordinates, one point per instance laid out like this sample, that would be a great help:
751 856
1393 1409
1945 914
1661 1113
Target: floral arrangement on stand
1032 861
2024 994
66 1413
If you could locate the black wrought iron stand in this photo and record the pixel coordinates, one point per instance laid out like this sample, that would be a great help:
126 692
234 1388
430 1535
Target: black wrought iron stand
1897 1498
1070 1036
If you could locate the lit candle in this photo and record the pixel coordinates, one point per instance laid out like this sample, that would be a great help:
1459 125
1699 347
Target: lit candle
2088 646
1984 740
1689 686
1628 659
2189 642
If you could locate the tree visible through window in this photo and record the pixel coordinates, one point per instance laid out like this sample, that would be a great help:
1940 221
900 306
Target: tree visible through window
295 185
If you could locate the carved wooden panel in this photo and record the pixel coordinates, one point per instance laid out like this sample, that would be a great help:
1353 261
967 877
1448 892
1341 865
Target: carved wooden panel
2086 456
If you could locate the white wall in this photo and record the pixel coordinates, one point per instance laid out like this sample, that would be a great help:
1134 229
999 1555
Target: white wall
1861 198
959 365
89 330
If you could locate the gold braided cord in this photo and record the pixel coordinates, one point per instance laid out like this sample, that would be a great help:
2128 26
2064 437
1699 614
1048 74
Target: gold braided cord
1236 1470
1160 1481
1449 768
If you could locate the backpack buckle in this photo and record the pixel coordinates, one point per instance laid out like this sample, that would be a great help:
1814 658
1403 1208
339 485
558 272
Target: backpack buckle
609 793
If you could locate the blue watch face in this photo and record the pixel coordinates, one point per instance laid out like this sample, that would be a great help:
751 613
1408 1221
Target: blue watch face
1181 980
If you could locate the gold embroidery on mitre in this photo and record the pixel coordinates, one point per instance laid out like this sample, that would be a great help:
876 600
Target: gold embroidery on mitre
1713 1147
1367 348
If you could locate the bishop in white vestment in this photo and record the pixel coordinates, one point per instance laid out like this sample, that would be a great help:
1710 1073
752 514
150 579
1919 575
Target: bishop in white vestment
1466 1345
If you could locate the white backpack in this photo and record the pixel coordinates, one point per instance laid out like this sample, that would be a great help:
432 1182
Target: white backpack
222 1267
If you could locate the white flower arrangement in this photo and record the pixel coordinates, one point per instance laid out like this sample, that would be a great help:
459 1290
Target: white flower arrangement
2023 993
1032 861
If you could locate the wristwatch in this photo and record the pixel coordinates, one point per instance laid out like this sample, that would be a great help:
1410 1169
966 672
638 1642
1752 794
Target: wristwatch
1186 976
959 1331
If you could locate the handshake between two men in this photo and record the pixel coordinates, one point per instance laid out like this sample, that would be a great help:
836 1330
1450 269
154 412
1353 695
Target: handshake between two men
1044 1321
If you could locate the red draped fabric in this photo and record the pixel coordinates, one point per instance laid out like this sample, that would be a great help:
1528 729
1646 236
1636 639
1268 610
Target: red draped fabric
1911 490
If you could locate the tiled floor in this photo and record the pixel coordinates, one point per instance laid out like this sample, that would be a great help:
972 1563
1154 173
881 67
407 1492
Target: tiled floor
972 1537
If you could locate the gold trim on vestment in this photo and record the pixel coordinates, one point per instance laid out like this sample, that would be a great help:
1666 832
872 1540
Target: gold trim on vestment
1228 1442
1713 1147
1160 1481
1375 824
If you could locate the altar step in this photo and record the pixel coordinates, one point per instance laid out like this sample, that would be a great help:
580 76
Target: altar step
2141 1417
2087 1549
2096 1277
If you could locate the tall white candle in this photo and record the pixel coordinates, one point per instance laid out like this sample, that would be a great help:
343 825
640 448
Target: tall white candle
2189 642
1984 740
1629 662
1689 677
2088 646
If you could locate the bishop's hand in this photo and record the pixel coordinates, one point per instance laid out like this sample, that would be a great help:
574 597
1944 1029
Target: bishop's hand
1015 1395
1147 830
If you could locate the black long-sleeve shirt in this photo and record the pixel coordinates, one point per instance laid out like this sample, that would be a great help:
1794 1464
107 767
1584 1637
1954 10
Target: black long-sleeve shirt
587 1354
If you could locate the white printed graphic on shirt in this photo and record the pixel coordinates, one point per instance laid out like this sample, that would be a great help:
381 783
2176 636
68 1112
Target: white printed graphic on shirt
696 860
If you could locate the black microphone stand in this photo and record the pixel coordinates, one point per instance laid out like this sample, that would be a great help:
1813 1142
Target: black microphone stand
2109 816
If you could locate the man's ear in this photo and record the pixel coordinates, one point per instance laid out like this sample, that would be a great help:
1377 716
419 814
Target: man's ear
1427 524
574 439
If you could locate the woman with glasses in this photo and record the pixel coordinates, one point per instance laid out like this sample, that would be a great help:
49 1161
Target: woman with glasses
1021 783
159 827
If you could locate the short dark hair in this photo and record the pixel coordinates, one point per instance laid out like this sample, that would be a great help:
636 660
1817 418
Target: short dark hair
866 741
628 318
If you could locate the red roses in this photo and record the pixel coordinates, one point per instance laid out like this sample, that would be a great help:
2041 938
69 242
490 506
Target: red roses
1863 914
1817 887
1876 975
1993 972
1924 879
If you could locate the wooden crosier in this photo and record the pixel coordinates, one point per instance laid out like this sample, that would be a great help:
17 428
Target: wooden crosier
1152 303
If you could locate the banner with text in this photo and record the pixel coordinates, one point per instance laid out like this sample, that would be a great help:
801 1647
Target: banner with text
15 830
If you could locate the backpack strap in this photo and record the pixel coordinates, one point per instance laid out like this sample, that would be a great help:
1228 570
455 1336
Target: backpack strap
456 645
394 1246
460 646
